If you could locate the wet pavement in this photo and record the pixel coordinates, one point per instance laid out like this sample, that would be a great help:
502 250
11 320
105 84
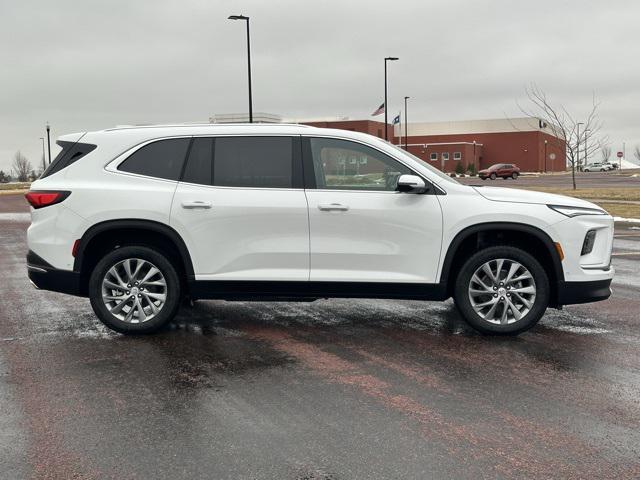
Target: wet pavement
334 389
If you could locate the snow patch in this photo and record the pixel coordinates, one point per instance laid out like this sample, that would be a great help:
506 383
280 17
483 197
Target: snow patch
15 217
628 220
581 330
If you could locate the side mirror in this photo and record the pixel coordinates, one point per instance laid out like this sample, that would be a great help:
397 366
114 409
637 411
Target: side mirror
411 184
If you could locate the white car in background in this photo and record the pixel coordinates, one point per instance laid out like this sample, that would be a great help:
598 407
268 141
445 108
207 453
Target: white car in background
598 167
138 218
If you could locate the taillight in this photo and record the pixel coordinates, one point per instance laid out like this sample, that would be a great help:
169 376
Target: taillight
39 199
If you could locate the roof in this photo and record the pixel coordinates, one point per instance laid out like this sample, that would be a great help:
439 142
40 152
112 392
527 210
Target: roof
133 134
209 126
496 125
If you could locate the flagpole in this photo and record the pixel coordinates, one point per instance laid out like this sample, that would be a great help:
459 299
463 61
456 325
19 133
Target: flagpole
405 123
386 126
386 120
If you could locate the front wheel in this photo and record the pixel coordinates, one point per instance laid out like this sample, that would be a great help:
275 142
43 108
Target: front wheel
514 175
134 289
502 290
493 176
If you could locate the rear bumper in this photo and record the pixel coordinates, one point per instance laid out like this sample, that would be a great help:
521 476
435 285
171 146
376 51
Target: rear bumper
45 277
570 293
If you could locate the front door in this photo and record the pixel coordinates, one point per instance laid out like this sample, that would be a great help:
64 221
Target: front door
361 228
241 209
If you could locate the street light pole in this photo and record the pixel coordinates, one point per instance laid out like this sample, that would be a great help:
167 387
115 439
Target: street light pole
405 123
44 165
476 167
545 156
586 145
578 144
242 17
49 141
386 122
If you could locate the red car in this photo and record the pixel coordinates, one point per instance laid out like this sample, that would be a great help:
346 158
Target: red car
504 170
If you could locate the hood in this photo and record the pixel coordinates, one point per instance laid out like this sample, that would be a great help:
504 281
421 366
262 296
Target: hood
501 194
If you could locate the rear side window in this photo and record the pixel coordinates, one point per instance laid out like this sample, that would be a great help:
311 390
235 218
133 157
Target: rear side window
265 162
199 165
71 152
161 159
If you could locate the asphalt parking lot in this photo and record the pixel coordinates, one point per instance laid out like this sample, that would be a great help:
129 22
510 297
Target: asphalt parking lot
335 389
613 179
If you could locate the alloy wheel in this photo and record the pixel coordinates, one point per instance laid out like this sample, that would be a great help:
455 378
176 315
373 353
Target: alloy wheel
502 291
134 290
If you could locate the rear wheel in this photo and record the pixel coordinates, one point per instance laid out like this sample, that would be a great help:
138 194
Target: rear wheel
502 290
493 176
134 290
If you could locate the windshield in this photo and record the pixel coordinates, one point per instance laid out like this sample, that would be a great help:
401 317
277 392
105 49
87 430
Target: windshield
437 172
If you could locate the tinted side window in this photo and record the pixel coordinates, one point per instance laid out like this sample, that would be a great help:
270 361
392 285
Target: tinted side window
253 162
199 163
345 165
161 159
71 152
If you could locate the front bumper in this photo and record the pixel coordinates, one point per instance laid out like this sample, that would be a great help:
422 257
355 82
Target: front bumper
570 293
46 277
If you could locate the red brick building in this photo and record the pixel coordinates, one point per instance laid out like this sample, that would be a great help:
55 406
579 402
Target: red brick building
525 142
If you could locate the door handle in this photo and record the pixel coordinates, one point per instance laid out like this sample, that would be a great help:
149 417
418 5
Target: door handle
333 206
196 204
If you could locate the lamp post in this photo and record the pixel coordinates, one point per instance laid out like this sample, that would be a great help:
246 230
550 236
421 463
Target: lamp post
586 145
405 123
578 146
49 141
474 157
545 156
44 164
242 17
386 129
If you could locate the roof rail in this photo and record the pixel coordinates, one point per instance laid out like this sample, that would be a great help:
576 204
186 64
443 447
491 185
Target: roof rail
216 125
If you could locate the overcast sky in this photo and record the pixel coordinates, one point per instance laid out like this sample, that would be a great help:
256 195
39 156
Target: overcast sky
86 65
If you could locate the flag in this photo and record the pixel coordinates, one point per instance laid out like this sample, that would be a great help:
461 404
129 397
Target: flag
379 110
396 120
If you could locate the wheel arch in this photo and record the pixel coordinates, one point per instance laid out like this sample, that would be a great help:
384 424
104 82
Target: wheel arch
478 236
104 236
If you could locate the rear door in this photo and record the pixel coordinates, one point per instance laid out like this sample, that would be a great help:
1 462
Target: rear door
361 228
241 209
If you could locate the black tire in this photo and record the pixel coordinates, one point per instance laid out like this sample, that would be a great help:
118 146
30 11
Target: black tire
514 175
159 260
493 176
463 280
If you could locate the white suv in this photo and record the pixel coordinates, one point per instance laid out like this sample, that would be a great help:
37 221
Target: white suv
140 218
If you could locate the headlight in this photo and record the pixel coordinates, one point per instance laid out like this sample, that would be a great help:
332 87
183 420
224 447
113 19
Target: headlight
575 211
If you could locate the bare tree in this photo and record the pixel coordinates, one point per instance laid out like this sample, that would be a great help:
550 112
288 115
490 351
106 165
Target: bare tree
605 151
21 166
578 137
